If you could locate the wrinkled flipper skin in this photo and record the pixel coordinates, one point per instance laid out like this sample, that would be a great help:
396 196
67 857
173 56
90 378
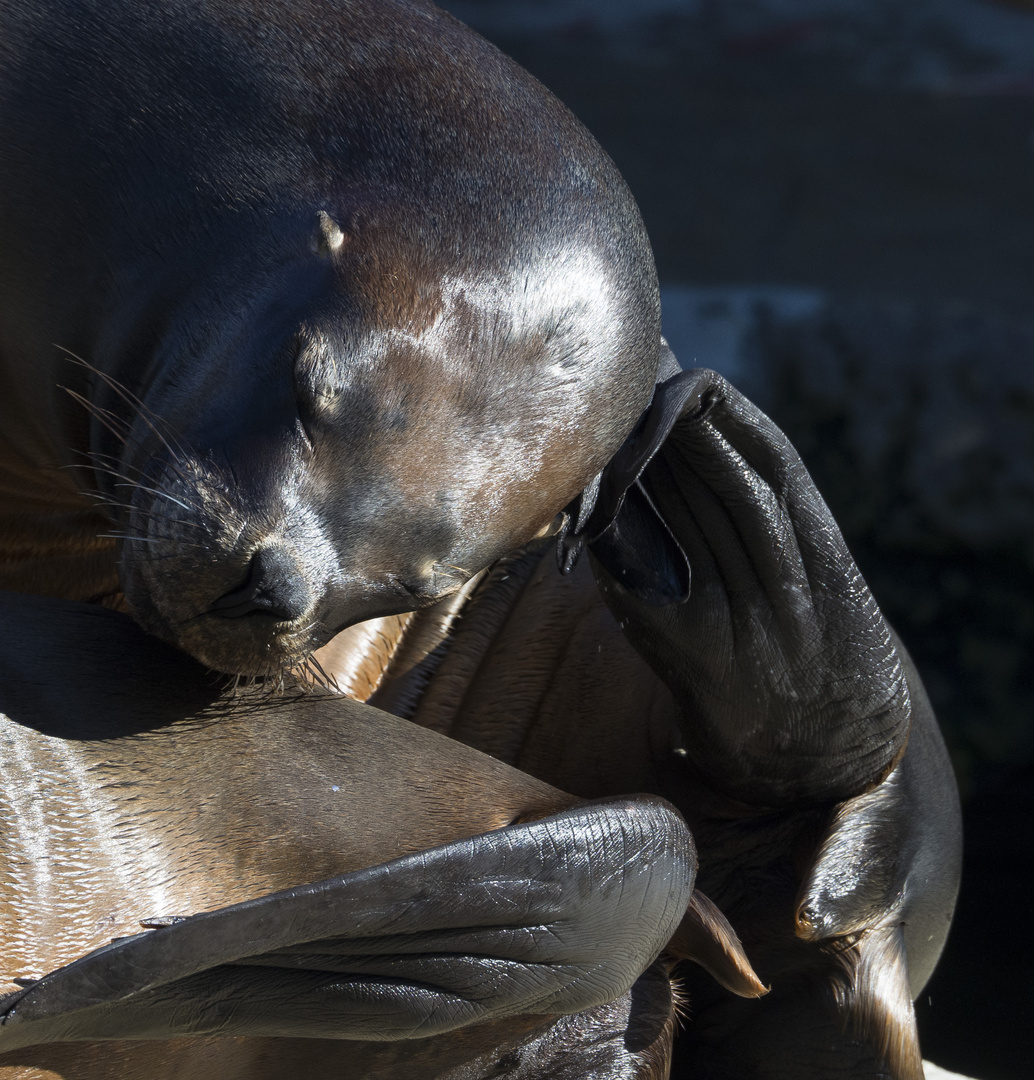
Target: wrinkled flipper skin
547 918
783 668
833 849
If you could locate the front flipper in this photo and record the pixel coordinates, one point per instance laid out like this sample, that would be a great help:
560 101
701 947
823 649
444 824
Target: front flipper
550 917
781 664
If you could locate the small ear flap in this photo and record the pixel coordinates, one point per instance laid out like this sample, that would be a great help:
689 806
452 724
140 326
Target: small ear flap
621 524
328 236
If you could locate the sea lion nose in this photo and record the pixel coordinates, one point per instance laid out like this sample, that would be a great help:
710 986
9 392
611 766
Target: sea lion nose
274 586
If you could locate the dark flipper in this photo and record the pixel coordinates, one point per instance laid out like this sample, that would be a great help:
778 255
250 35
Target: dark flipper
881 892
780 661
551 917
893 856
794 697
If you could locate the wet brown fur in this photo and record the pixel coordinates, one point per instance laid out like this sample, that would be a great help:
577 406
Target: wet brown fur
162 793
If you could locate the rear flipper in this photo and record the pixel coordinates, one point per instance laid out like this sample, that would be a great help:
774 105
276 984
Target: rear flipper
846 958
551 917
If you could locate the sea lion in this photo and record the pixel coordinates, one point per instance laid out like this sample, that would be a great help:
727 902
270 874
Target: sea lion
840 864
267 234
308 313
159 793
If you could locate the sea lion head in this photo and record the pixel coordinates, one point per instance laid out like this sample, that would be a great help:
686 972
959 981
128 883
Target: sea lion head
378 309
374 430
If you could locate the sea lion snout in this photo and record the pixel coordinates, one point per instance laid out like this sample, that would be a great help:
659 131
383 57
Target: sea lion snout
251 569
274 586
233 574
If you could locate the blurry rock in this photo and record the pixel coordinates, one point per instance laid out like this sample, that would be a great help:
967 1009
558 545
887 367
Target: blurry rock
936 402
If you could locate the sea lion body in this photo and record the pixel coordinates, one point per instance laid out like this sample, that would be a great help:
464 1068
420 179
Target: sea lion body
843 898
538 673
774 707
161 793
362 308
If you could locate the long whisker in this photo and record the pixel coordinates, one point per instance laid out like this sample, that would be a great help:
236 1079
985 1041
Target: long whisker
329 681
150 540
112 421
129 536
152 514
128 481
310 672
451 566
156 491
306 676
149 417
96 458
109 418
99 413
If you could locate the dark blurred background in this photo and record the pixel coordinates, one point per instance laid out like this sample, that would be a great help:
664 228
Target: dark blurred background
840 195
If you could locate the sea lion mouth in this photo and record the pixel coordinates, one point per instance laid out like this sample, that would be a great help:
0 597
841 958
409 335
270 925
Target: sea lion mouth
247 631
259 645
257 607
240 638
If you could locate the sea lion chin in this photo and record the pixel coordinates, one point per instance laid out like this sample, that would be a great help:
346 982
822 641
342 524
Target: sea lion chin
357 314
